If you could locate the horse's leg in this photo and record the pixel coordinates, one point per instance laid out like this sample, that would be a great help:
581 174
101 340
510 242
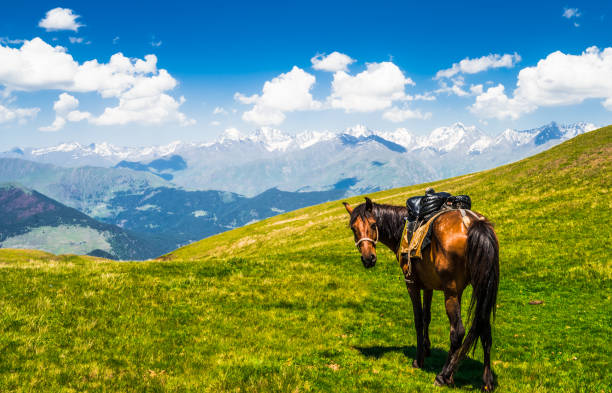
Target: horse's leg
452 302
427 295
487 376
415 296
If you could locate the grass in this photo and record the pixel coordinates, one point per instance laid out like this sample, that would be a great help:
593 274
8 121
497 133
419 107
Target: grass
285 305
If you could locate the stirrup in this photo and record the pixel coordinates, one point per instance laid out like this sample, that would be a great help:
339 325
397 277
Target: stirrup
408 274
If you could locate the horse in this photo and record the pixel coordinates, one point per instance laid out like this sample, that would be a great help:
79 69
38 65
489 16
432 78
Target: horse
464 250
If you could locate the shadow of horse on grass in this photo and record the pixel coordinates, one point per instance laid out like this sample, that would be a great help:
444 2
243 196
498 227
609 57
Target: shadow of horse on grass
468 374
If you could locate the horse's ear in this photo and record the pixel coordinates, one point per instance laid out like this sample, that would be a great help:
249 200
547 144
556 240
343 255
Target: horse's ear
369 204
348 207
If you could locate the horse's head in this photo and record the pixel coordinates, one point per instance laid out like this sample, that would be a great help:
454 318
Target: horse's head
365 228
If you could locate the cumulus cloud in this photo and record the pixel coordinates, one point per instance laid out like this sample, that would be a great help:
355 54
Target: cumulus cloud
19 114
138 84
65 110
60 19
65 103
473 66
76 40
495 104
333 62
397 115
374 89
287 92
559 79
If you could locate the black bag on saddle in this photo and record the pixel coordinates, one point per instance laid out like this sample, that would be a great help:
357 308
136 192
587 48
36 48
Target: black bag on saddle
424 207
460 202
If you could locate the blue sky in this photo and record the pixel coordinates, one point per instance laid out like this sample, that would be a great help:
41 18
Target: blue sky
385 74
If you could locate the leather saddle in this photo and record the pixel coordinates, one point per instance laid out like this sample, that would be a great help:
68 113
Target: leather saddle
423 207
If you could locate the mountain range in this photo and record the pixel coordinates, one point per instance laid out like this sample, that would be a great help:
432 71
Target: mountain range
175 194
314 161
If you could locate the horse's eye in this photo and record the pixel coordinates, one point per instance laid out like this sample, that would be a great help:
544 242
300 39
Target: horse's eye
373 226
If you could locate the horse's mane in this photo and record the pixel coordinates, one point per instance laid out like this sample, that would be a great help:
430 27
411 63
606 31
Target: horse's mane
390 219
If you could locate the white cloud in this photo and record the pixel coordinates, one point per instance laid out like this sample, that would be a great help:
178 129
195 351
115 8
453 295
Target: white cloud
146 103
65 103
495 103
473 66
333 62
456 88
75 40
77 116
559 79
215 123
219 111
60 19
476 89
57 124
6 40
287 92
422 97
156 44
398 115
65 110
19 114
570 13
137 83
562 79
374 89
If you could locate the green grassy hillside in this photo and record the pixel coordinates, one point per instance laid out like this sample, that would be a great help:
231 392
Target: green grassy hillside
285 304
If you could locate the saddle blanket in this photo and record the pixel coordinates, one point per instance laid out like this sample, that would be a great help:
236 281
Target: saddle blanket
420 239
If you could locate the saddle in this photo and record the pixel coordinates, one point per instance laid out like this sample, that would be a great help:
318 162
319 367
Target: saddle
423 207
422 212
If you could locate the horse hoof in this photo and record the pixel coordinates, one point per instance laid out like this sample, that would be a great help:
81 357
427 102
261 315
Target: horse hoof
488 388
441 381
415 364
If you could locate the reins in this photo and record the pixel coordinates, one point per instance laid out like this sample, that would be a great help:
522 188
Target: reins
363 239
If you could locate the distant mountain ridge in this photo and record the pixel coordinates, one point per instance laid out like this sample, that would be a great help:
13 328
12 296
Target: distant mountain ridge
441 139
313 160
151 209
29 219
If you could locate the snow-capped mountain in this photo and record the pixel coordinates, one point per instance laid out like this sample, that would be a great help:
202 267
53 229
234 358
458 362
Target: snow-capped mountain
365 159
104 154
542 135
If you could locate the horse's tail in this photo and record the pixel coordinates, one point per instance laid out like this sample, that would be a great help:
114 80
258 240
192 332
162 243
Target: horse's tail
483 263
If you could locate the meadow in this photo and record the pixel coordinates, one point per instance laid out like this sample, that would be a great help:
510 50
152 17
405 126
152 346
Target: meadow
285 305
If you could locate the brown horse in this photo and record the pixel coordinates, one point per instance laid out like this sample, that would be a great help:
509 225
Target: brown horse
462 252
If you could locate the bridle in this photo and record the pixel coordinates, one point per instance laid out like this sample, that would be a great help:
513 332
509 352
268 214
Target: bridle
363 239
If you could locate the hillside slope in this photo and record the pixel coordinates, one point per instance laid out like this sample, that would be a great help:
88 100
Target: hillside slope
285 304
562 188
